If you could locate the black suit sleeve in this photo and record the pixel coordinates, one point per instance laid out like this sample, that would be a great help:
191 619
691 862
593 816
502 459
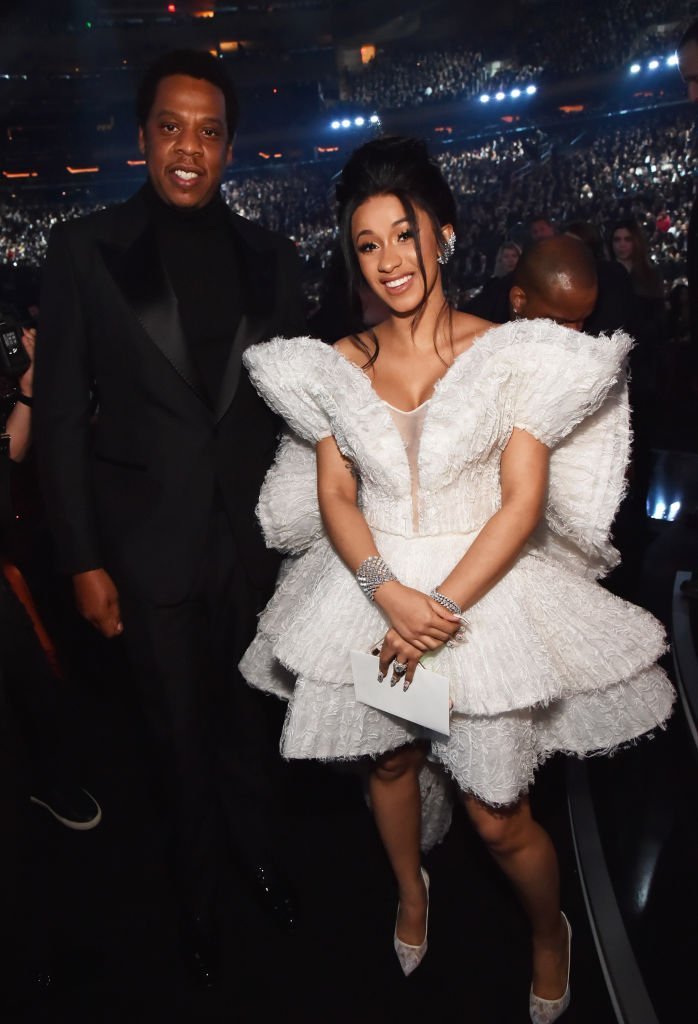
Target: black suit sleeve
62 410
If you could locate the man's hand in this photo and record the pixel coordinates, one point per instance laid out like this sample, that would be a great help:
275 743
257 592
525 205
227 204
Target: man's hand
98 601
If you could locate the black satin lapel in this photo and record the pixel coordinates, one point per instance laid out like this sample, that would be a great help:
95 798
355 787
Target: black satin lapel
140 276
251 329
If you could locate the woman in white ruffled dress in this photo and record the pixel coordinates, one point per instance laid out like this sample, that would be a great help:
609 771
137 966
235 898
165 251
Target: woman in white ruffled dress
461 470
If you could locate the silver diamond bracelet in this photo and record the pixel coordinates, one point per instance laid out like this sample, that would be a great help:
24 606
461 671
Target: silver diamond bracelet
372 573
446 602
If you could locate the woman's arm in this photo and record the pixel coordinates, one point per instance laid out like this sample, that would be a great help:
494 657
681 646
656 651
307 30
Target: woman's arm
524 482
420 621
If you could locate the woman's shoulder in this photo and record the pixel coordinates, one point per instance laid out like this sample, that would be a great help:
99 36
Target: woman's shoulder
356 348
467 329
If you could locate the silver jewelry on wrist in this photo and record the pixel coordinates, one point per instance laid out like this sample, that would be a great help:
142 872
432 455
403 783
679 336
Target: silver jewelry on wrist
372 573
445 602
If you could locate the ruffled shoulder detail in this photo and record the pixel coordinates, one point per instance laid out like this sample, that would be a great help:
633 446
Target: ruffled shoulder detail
587 481
288 509
561 376
569 391
549 377
294 377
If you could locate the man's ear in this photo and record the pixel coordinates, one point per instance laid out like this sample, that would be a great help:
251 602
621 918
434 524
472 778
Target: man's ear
517 300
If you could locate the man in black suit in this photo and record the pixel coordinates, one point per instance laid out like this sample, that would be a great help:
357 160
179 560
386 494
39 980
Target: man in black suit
147 308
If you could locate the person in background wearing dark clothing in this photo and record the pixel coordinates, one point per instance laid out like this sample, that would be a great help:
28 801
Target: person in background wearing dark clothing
648 326
37 748
649 321
555 280
508 256
31 682
150 305
614 306
541 227
492 301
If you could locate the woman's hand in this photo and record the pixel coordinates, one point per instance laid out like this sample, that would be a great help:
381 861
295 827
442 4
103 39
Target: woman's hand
396 651
421 622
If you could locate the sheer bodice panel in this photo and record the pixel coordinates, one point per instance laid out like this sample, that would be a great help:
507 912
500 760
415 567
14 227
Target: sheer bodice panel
409 425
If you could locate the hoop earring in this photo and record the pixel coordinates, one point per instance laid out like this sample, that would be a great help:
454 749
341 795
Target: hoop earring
448 251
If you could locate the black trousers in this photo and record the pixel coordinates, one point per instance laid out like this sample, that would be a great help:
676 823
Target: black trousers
216 739
36 752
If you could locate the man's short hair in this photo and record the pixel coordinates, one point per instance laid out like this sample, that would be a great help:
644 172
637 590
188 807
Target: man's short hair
194 64
690 35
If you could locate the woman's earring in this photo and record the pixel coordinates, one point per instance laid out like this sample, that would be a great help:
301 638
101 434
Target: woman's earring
449 249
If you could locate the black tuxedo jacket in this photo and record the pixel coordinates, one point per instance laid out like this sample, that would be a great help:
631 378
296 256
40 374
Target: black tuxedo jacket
132 488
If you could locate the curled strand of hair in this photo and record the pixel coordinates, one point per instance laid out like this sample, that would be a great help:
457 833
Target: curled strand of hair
363 347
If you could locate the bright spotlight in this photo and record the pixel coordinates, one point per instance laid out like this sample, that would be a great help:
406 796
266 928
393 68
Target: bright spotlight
653 65
374 119
674 510
346 123
515 93
500 96
359 122
673 60
335 125
531 90
635 69
484 98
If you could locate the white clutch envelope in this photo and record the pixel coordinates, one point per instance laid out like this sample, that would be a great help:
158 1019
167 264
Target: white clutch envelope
426 702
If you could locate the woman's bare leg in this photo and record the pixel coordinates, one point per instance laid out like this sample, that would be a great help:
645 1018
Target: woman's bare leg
526 855
396 803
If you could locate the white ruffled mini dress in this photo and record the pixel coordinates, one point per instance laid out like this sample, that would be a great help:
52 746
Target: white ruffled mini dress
552 662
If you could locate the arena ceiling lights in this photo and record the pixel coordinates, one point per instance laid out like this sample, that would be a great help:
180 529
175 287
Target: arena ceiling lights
515 94
655 63
354 122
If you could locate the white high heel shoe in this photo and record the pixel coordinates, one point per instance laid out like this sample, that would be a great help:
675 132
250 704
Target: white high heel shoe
410 957
545 1011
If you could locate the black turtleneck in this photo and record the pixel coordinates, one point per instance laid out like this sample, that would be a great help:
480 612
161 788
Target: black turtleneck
198 250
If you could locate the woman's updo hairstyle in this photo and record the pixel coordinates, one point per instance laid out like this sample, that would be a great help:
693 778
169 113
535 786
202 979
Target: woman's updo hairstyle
402 167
